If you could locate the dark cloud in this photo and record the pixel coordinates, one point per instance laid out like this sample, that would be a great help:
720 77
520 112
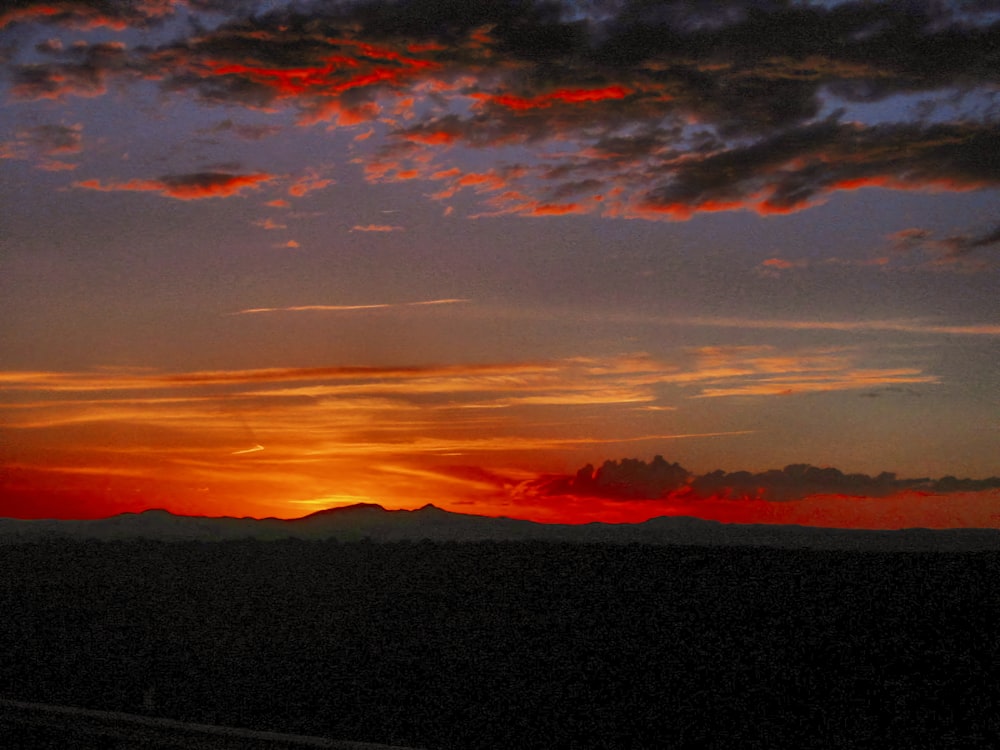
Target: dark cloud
84 70
55 139
629 478
45 140
243 130
116 14
48 145
963 251
570 189
963 244
635 479
789 170
659 109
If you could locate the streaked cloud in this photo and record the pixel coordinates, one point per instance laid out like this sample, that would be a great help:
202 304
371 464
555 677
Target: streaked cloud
323 428
841 381
351 308
269 224
900 326
376 228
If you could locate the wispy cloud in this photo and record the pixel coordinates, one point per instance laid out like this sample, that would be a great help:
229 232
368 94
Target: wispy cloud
269 224
323 431
835 381
350 308
307 432
310 182
916 326
376 228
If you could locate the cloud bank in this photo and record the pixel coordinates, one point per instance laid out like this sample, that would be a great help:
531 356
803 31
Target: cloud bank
635 479
658 110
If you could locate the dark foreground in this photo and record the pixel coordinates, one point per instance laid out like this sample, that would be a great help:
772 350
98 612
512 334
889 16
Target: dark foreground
511 645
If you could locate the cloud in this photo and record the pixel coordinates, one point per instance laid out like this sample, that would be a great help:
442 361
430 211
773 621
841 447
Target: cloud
632 380
325 430
192 186
636 479
376 228
89 13
54 139
243 130
385 432
967 251
961 244
630 109
793 169
85 71
269 224
350 308
43 142
798 384
915 326
308 183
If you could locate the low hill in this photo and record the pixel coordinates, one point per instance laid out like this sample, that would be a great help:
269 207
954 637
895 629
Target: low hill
374 522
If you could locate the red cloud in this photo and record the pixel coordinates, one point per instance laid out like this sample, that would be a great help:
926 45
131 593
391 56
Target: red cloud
327 78
555 209
308 183
665 125
566 96
195 186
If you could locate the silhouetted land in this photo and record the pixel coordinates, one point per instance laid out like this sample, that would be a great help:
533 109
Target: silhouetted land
514 644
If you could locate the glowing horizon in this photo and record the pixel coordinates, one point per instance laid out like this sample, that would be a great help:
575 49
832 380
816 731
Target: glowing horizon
256 255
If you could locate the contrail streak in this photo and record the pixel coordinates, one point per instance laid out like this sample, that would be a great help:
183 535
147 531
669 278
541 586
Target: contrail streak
348 308
256 448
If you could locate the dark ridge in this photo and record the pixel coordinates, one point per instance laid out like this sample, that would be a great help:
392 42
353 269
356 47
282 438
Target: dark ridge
376 523
344 510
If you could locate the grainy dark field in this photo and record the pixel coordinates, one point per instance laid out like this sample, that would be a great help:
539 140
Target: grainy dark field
514 645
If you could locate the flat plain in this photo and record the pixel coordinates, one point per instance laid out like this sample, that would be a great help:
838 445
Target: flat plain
461 645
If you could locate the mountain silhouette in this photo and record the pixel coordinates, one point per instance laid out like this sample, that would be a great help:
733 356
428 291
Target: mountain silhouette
376 523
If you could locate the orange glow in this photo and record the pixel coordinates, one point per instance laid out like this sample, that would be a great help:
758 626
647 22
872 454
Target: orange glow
903 510
95 493
473 438
779 263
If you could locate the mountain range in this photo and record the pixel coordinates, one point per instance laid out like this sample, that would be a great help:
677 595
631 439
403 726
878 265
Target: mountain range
373 522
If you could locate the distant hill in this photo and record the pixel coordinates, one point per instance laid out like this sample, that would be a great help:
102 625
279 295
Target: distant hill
370 521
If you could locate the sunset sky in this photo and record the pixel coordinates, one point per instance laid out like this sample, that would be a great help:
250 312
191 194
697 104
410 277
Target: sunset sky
265 258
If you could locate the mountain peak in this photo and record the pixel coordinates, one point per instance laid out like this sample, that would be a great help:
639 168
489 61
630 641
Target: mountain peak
154 513
341 509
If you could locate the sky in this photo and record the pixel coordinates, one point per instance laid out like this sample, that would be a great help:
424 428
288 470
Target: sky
567 261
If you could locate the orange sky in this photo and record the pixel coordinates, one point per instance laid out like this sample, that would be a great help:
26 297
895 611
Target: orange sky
268 263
